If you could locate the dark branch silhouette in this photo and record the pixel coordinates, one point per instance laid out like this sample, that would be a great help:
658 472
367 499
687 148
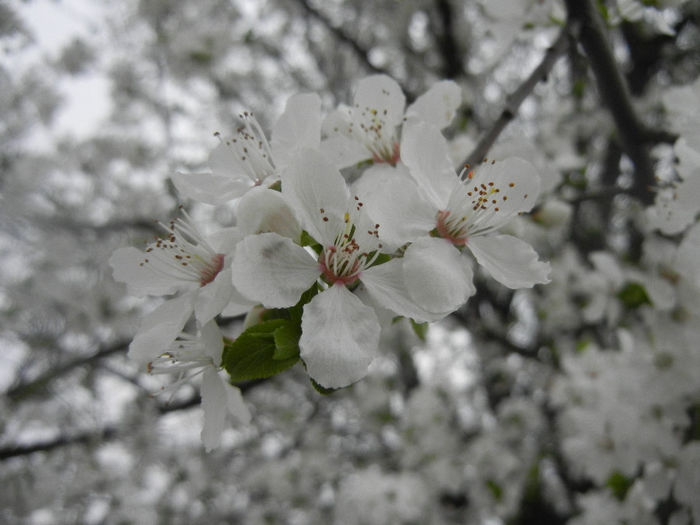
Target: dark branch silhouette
446 41
614 93
38 385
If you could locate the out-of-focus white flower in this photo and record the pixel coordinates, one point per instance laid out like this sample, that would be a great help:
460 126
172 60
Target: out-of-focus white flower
682 104
635 11
248 160
687 486
371 496
676 207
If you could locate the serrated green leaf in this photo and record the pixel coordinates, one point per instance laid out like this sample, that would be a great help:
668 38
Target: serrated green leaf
420 329
286 342
251 355
633 295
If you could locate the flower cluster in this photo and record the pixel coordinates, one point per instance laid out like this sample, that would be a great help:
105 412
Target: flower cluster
342 224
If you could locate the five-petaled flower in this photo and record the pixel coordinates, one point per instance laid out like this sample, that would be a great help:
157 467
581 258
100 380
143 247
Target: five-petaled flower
465 213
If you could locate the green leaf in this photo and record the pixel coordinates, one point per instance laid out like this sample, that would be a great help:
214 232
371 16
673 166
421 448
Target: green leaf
603 10
252 354
381 258
663 360
286 342
296 311
495 489
420 329
633 295
619 484
306 240
292 313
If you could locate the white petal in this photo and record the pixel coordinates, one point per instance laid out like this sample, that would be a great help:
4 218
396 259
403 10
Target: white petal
238 305
380 93
213 341
424 150
438 277
224 163
141 280
214 405
209 188
339 337
262 210
344 152
438 105
235 405
298 127
273 270
317 190
431 281
213 297
512 262
220 399
688 254
397 205
160 328
225 240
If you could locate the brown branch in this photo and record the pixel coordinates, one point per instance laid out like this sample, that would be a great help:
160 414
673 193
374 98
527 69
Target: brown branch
106 434
514 101
109 432
38 385
614 93
447 43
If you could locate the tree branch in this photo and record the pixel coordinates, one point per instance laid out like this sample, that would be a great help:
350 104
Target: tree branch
446 41
614 93
18 392
109 432
106 434
514 101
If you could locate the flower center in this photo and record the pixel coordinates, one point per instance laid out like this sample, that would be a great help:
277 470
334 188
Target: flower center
454 228
368 126
344 260
184 254
382 152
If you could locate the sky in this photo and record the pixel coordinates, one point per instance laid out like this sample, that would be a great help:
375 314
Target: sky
54 25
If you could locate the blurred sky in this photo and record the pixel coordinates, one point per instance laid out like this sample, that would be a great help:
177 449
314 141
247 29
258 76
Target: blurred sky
53 25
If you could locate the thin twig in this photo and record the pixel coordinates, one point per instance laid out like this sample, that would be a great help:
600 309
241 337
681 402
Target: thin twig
108 433
514 101
18 392
446 41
